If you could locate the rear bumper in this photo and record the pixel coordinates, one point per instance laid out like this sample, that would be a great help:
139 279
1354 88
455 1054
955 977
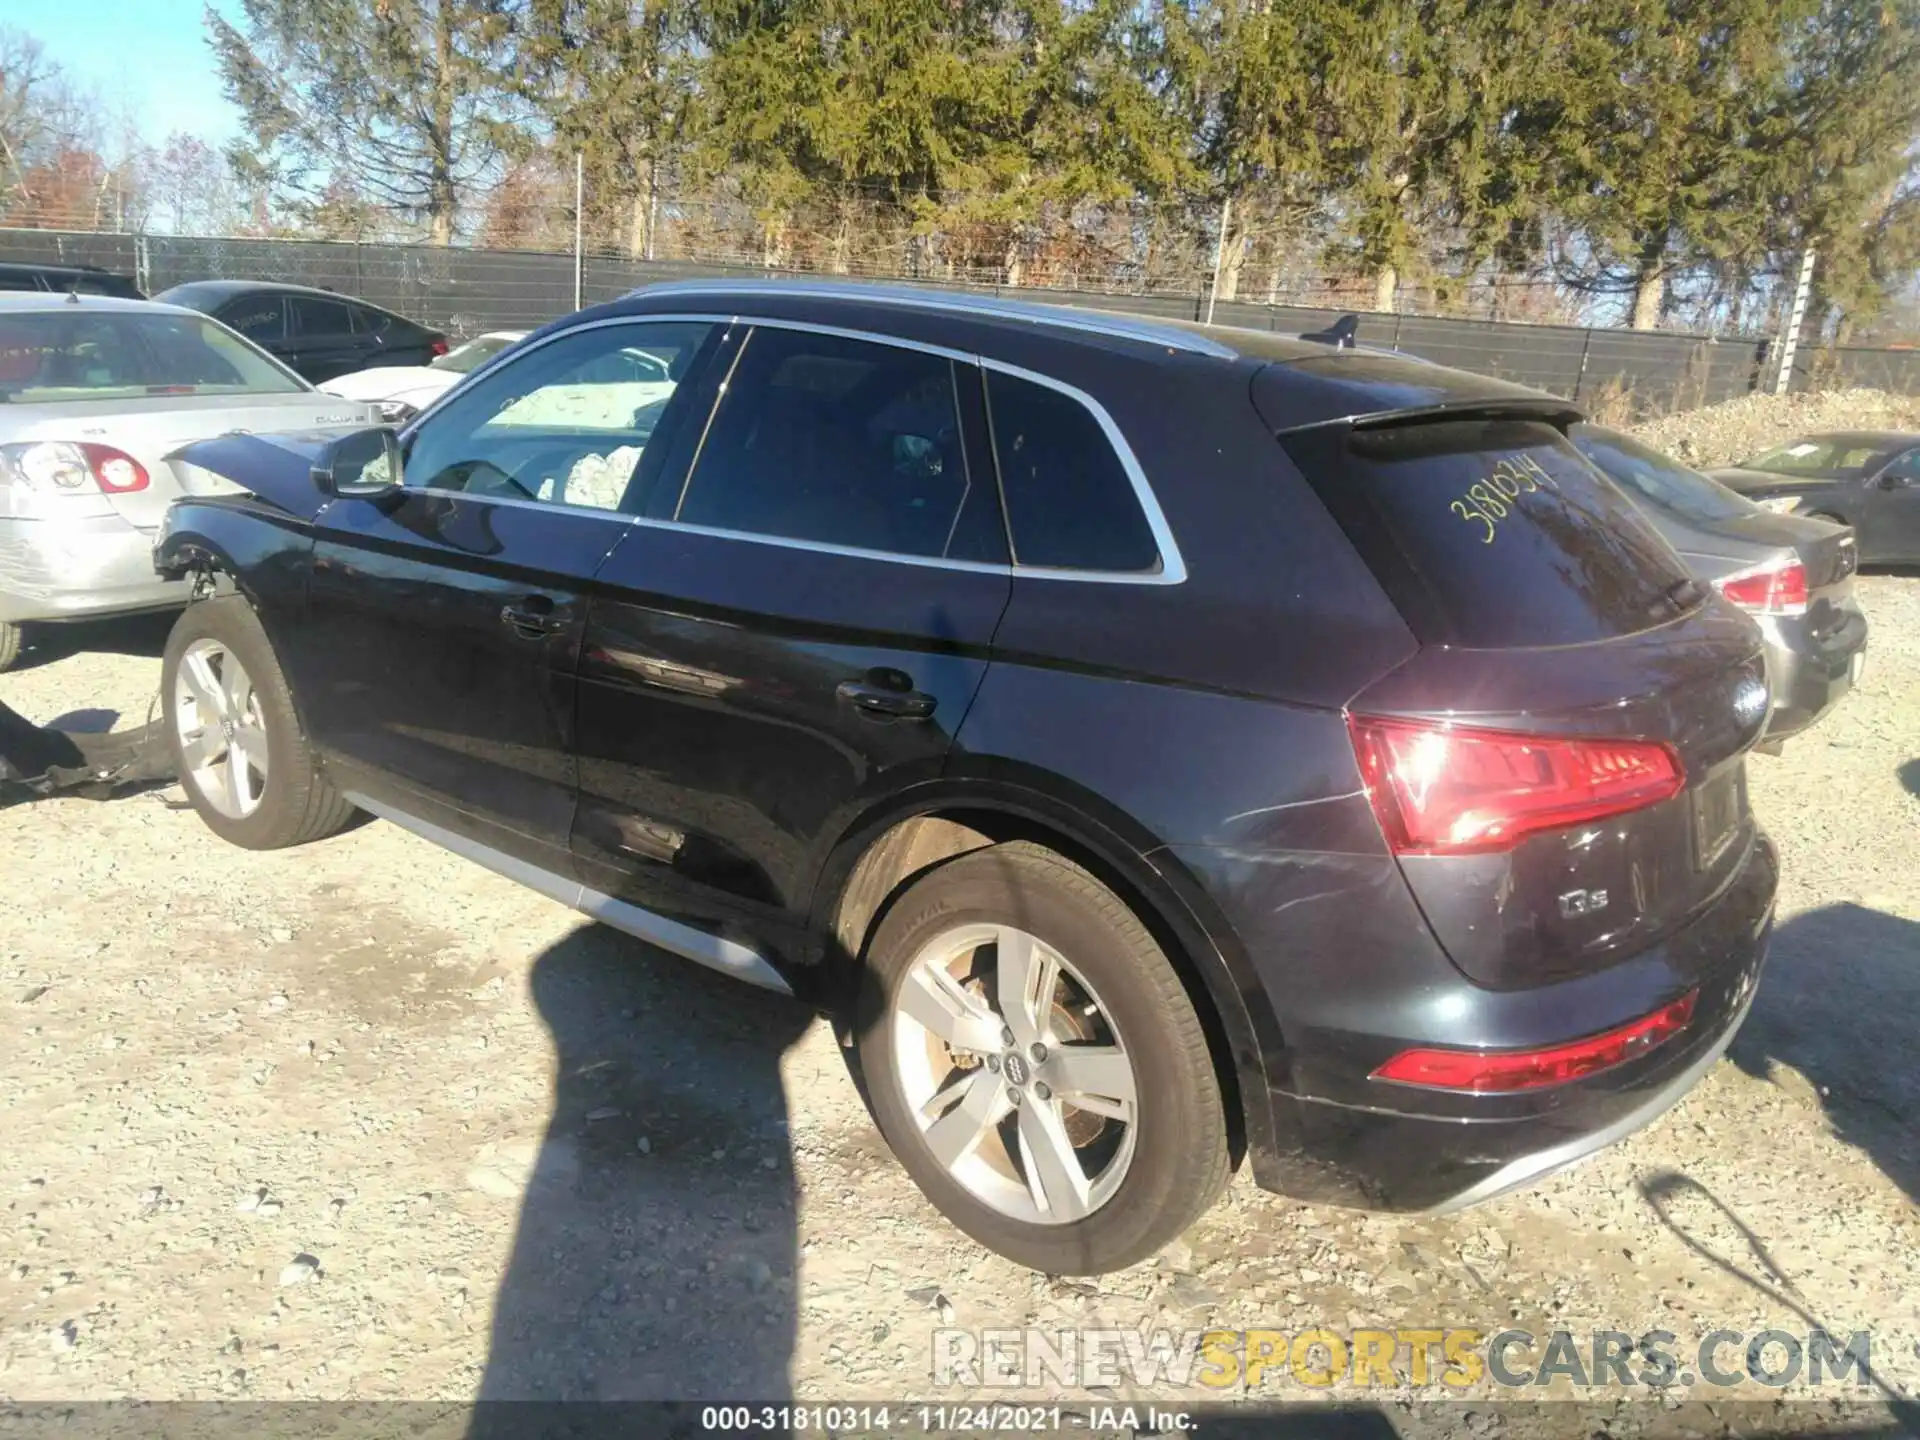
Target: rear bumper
1381 1146
1809 674
74 569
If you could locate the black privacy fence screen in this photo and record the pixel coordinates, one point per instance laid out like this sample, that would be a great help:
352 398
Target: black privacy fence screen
1613 373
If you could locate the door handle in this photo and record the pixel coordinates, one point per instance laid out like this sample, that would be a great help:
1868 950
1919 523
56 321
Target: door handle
532 618
879 700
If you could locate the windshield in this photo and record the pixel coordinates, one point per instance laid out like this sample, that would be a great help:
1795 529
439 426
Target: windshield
475 353
1817 456
70 354
1646 474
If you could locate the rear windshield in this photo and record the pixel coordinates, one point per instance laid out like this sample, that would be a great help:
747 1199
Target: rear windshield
1648 475
1495 533
471 356
73 353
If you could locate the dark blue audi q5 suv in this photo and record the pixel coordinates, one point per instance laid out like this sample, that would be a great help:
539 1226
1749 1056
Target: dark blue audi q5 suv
1158 747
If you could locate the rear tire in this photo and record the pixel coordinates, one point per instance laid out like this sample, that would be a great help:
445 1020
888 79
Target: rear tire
12 642
1012 1154
235 736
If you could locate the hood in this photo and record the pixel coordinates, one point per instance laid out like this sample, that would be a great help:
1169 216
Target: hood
277 468
393 382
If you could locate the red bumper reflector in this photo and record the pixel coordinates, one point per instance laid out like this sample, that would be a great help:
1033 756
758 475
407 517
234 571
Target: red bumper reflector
1495 1072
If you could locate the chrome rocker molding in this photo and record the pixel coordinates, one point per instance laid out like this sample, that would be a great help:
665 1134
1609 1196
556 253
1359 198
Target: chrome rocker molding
715 952
1538 1166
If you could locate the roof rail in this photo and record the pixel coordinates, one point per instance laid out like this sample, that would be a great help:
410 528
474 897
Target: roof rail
1066 317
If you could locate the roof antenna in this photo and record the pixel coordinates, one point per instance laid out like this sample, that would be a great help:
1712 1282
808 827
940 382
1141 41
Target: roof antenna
73 293
1340 334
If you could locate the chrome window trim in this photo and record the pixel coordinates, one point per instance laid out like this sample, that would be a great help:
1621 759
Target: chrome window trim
1092 322
1173 566
1172 569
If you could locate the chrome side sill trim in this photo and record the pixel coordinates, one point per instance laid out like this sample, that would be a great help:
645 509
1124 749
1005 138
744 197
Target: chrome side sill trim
1538 1166
716 952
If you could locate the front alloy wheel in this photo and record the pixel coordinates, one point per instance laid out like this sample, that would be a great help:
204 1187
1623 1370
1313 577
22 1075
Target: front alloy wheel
221 733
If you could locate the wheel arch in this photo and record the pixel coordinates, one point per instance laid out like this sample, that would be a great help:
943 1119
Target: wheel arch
898 840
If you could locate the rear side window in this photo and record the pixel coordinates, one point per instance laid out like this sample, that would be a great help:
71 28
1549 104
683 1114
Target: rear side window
1070 503
319 317
370 322
1495 533
842 442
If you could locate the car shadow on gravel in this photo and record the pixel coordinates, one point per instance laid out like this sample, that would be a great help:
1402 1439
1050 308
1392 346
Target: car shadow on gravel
656 1250
1840 1004
141 635
1910 776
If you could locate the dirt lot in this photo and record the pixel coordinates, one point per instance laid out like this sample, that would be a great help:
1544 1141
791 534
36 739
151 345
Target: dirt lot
363 1121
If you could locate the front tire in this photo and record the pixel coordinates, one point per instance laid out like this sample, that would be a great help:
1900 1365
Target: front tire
1036 1064
235 737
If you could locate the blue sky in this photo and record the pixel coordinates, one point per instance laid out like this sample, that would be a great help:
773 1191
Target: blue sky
152 52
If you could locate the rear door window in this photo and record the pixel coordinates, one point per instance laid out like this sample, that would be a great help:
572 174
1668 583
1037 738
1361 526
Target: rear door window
1495 533
320 317
1070 502
839 441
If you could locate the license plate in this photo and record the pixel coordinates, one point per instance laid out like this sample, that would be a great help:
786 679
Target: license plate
1717 806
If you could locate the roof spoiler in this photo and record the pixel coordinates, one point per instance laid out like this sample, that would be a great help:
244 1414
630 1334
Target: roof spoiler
1341 334
1549 408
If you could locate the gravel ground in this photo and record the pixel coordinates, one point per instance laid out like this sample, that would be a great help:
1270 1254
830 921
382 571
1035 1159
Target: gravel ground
1737 430
362 1121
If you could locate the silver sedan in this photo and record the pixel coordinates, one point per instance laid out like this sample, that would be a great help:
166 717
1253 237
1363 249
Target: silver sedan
95 394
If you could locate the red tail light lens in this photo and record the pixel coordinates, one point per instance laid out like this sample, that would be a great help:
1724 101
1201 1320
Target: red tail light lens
1445 791
1498 1072
1773 590
114 471
439 347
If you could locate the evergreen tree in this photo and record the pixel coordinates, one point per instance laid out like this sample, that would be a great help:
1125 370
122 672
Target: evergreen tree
403 100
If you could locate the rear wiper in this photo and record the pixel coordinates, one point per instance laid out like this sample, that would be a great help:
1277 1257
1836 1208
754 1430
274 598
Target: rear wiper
1683 594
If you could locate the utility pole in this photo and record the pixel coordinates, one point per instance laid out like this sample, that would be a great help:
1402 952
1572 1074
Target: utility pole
579 222
1219 254
1791 341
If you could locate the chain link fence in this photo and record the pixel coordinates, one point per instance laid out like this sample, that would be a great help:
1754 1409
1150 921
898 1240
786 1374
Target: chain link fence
462 290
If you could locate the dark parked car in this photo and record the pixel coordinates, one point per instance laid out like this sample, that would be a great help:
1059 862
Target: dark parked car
67 279
1869 479
1153 743
1792 574
316 332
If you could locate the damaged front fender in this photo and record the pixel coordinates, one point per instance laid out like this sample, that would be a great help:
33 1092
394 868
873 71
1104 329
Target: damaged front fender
275 468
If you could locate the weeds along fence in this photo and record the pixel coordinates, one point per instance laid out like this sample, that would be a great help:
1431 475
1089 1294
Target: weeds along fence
1614 373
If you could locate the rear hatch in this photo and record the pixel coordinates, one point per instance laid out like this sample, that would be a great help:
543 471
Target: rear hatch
149 430
1561 768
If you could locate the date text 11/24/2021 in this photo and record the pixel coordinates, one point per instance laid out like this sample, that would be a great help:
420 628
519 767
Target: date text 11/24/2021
868 1419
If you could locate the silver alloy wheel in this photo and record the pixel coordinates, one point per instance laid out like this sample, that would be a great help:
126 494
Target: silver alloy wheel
1016 1074
223 738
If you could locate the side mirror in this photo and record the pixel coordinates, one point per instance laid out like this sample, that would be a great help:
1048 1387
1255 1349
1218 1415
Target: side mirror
365 463
1891 480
